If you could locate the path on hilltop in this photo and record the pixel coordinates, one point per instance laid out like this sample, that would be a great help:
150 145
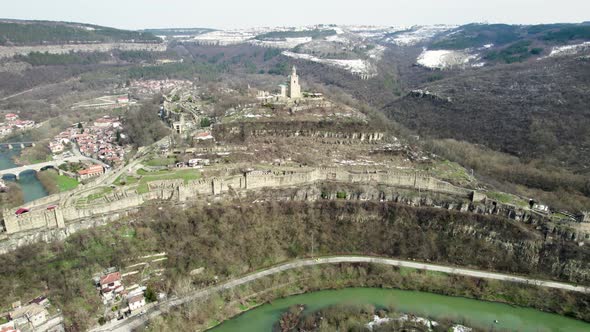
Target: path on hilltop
156 310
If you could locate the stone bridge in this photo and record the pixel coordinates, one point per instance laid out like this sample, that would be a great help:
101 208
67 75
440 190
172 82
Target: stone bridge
11 145
17 171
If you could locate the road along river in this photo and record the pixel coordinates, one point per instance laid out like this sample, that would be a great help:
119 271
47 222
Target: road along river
154 311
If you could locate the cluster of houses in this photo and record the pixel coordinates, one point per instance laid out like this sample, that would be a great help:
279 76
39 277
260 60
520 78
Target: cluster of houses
112 291
26 317
12 123
149 87
97 140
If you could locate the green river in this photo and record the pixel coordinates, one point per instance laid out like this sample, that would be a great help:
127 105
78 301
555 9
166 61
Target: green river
30 185
475 313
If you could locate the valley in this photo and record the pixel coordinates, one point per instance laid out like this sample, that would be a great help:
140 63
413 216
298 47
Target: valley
184 176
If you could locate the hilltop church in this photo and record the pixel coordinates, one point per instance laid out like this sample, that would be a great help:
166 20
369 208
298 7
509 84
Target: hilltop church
293 90
288 92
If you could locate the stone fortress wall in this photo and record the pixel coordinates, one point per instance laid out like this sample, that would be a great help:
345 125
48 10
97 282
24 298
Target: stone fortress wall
47 219
59 222
177 190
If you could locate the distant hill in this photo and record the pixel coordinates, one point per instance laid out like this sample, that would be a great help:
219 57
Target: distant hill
537 109
478 35
19 33
178 31
281 35
502 43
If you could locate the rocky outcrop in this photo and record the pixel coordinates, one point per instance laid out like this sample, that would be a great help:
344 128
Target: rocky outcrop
549 230
10 51
347 132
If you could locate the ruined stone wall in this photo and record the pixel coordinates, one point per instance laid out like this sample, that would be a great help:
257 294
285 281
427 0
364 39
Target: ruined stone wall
75 213
33 220
259 179
278 179
12 242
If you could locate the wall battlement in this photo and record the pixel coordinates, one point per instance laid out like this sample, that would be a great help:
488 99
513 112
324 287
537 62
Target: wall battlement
180 191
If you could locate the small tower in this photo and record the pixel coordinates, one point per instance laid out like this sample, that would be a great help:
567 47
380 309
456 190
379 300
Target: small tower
294 87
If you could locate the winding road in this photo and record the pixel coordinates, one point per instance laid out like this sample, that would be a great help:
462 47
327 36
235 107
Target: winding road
138 320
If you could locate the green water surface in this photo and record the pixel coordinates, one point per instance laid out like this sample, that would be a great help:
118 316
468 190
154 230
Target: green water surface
474 313
30 185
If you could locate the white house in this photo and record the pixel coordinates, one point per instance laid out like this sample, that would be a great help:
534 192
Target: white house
110 285
136 302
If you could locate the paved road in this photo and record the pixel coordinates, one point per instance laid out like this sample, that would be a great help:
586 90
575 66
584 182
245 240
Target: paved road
139 320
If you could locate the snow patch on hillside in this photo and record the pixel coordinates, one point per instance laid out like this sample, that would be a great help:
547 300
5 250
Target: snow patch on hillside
418 34
374 32
337 39
357 66
377 52
287 43
229 37
569 49
444 59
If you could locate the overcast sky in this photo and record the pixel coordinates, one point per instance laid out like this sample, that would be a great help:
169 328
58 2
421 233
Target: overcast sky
137 14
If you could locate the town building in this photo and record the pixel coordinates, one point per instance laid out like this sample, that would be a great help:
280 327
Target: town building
13 123
107 121
198 162
8 327
123 99
110 285
203 136
41 300
11 117
30 315
136 302
90 172
56 147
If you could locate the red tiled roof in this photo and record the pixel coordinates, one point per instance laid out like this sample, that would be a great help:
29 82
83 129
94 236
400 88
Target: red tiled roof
110 278
91 170
22 210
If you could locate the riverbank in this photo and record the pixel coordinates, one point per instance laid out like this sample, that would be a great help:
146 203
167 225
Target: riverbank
27 186
55 183
32 155
13 196
220 307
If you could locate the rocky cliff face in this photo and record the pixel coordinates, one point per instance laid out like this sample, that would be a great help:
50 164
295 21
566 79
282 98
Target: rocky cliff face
529 243
353 131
